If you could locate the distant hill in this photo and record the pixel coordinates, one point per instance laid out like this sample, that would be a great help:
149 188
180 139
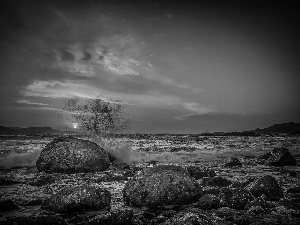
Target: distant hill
5 130
31 130
283 128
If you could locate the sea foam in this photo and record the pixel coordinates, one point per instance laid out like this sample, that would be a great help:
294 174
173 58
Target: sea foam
14 160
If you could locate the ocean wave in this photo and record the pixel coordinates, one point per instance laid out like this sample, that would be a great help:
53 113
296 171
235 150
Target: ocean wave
14 160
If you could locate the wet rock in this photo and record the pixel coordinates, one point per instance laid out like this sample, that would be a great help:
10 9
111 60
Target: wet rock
188 218
72 155
215 181
266 185
255 210
35 220
208 201
261 201
198 172
160 185
278 157
226 213
116 216
210 190
234 162
235 198
78 199
7 205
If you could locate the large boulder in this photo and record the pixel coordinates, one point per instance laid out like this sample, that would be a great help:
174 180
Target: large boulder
72 155
78 199
160 185
278 157
266 185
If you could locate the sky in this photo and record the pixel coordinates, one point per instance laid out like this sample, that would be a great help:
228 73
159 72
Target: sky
175 66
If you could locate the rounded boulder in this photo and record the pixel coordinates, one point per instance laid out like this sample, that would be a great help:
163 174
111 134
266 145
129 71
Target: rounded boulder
160 185
72 155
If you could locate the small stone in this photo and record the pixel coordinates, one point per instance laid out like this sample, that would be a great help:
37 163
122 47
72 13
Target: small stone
255 210
208 201
197 172
234 162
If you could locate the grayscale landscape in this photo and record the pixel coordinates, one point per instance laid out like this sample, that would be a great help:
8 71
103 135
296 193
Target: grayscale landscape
149 112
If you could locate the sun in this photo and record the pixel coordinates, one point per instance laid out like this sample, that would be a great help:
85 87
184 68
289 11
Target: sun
75 125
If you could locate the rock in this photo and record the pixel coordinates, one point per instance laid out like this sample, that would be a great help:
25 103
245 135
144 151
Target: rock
7 205
255 210
211 190
260 201
72 155
116 216
160 185
78 199
233 162
188 219
266 185
198 172
208 201
35 220
279 157
235 198
215 181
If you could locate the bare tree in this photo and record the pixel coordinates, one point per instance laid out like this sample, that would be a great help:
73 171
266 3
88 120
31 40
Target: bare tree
96 116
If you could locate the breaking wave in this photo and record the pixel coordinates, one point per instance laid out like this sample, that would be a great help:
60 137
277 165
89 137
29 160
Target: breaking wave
14 160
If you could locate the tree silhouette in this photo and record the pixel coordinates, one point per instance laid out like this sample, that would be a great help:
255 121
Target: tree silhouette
96 116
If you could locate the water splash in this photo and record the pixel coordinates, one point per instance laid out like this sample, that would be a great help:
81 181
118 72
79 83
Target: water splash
19 160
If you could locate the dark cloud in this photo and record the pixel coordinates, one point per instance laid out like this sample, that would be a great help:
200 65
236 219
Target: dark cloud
86 56
67 56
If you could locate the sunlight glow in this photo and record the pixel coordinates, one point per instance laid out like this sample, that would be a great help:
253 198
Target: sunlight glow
75 125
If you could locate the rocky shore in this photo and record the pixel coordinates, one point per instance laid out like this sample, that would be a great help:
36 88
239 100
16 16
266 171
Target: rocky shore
241 190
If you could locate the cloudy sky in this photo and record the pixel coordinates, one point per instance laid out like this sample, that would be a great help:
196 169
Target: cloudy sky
176 66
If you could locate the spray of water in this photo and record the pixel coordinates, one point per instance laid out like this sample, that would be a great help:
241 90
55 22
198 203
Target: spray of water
19 160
